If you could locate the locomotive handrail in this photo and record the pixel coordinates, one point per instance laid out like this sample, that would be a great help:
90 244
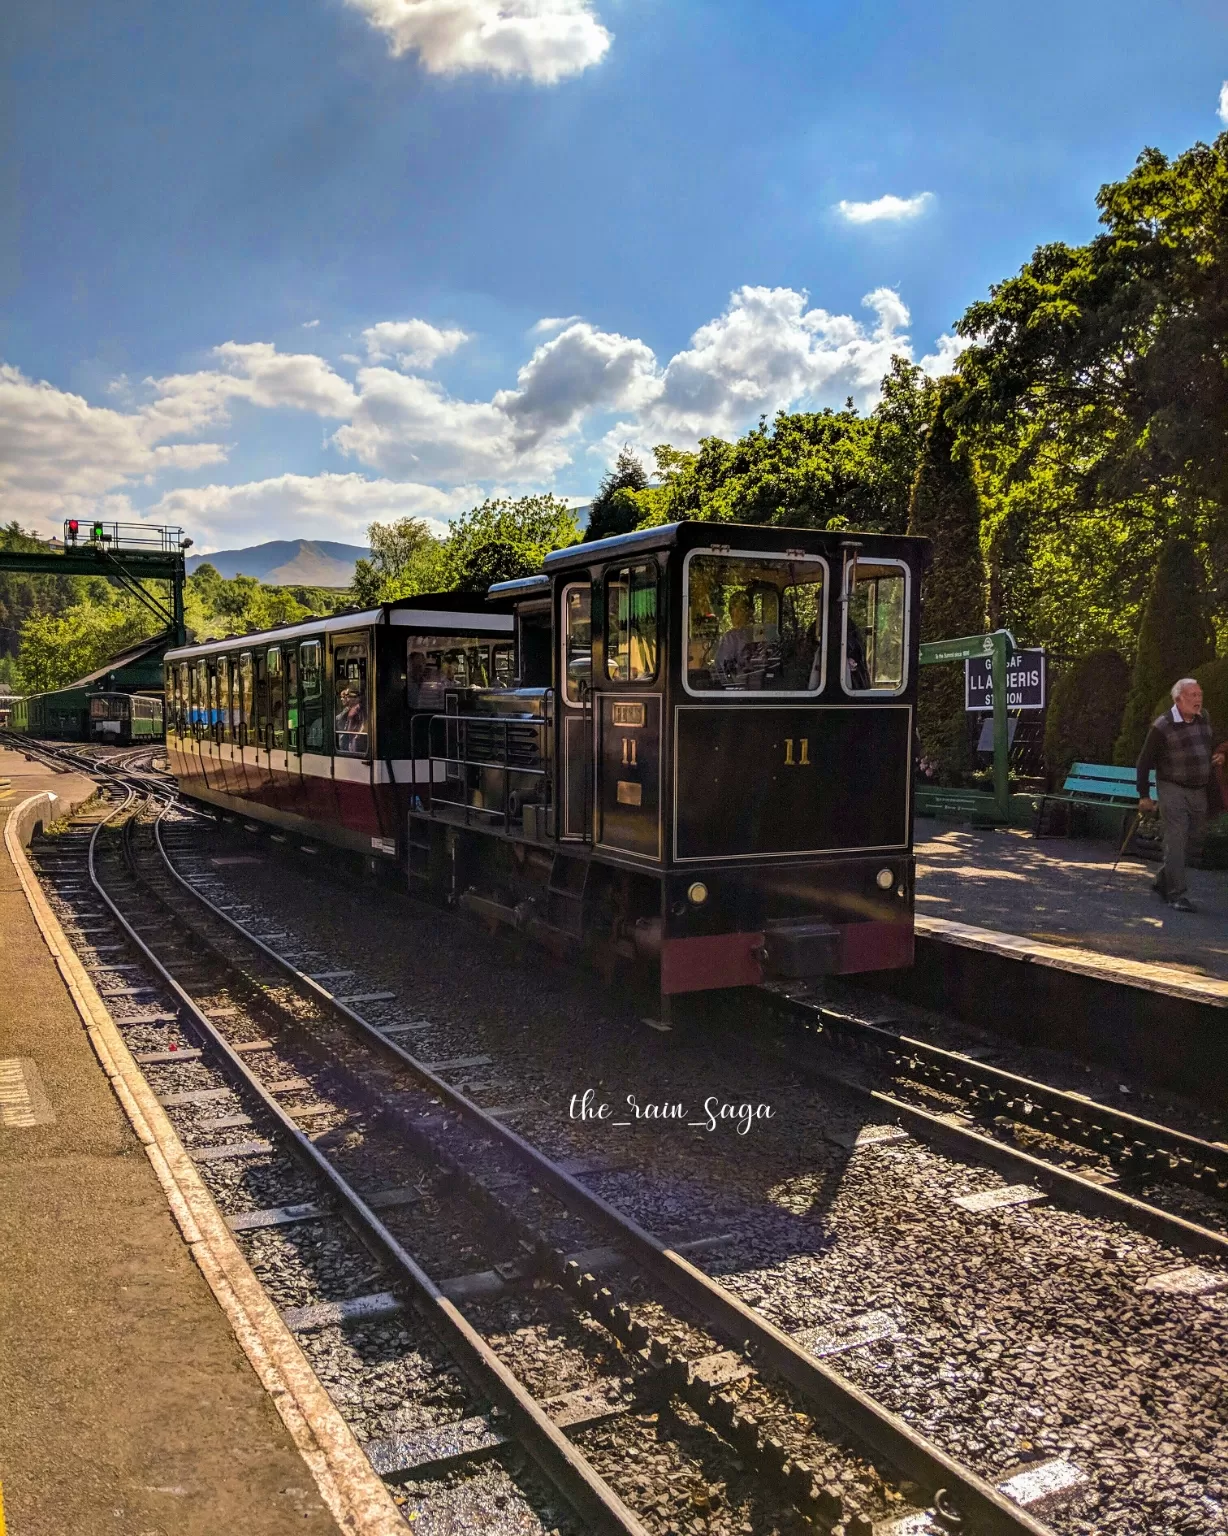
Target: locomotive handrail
464 760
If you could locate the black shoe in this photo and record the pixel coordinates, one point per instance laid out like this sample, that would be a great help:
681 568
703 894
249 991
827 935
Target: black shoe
1182 904
1158 886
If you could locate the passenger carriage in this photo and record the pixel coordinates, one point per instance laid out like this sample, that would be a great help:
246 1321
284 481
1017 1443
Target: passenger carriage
124 719
307 726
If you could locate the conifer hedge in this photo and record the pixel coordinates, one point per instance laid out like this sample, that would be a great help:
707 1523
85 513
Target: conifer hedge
946 509
1083 720
1174 638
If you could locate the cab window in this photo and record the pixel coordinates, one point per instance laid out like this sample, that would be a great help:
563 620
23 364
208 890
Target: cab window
874 628
578 640
631 623
755 623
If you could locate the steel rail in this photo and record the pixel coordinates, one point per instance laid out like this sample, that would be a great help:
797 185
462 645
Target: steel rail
951 1486
566 1468
1141 1147
1076 1189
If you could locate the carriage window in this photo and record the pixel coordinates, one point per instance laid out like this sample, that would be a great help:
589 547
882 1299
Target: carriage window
223 675
754 623
874 628
277 697
433 671
350 694
313 698
577 605
262 700
200 697
503 665
182 696
293 742
243 708
631 623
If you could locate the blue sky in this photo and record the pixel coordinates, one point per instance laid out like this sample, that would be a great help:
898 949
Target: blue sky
274 270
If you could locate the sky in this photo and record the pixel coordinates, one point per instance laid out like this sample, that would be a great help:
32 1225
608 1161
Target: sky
274 270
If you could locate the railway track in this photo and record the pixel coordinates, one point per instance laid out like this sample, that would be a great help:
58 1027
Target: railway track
682 1338
702 1359
979 1106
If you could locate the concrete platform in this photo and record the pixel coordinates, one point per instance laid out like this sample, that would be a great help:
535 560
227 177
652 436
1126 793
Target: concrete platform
127 1404
1065 892
1045 943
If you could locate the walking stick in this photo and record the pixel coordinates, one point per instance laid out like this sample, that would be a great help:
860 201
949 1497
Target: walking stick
1125 842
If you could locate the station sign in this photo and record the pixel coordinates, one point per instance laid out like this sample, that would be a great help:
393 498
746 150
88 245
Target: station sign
1026 682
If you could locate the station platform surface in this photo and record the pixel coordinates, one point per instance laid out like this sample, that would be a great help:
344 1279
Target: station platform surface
126 1403
1064 892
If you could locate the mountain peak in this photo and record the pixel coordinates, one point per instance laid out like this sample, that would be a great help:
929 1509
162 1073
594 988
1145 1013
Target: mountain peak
287 562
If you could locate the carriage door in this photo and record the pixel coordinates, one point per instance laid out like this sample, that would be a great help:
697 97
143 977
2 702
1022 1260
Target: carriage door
576 715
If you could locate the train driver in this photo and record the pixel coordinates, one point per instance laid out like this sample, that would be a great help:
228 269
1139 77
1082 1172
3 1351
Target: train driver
743 652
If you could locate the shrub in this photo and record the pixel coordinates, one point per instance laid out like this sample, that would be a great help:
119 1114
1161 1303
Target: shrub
1174 639
1085 710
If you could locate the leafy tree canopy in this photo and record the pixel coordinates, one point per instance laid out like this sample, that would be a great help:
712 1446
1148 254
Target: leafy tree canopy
808 469
614 509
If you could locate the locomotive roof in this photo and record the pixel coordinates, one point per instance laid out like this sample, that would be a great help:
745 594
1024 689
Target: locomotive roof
443 612
768 537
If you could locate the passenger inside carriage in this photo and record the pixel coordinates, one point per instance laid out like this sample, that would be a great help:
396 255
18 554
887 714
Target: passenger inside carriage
351 724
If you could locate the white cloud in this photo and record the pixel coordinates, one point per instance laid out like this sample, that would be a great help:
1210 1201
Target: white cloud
59 455
1223 102
414 343
325 506
768 351
942 359
310 325
884 209
580 371
541 40
550 323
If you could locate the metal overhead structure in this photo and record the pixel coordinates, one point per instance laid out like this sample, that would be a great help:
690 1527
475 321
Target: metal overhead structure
129 554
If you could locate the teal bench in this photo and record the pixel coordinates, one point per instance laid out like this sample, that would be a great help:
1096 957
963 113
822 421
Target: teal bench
1089 784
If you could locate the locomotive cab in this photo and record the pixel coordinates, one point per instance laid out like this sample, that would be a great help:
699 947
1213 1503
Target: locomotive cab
715 773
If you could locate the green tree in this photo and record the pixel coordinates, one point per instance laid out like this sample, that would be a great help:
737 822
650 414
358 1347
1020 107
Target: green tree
1113 352
808 469
614 508
58 648
946 510
1174 639
495 561
406 558
531 526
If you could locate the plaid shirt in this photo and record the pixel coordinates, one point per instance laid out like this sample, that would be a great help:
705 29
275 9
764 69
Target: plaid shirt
1179 751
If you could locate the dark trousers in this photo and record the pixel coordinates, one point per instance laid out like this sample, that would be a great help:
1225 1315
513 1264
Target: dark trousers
1183 818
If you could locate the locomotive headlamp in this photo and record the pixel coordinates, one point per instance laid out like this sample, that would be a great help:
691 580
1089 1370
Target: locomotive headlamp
697 893
885 879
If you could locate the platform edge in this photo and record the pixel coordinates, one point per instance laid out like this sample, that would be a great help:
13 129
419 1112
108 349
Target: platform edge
353 1492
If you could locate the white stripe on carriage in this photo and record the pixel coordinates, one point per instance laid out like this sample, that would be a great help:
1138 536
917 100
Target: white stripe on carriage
425 618
351 770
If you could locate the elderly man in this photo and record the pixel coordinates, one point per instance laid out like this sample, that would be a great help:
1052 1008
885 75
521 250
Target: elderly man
1178 747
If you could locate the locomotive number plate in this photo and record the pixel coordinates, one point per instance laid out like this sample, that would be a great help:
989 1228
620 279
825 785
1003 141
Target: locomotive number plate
628 714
